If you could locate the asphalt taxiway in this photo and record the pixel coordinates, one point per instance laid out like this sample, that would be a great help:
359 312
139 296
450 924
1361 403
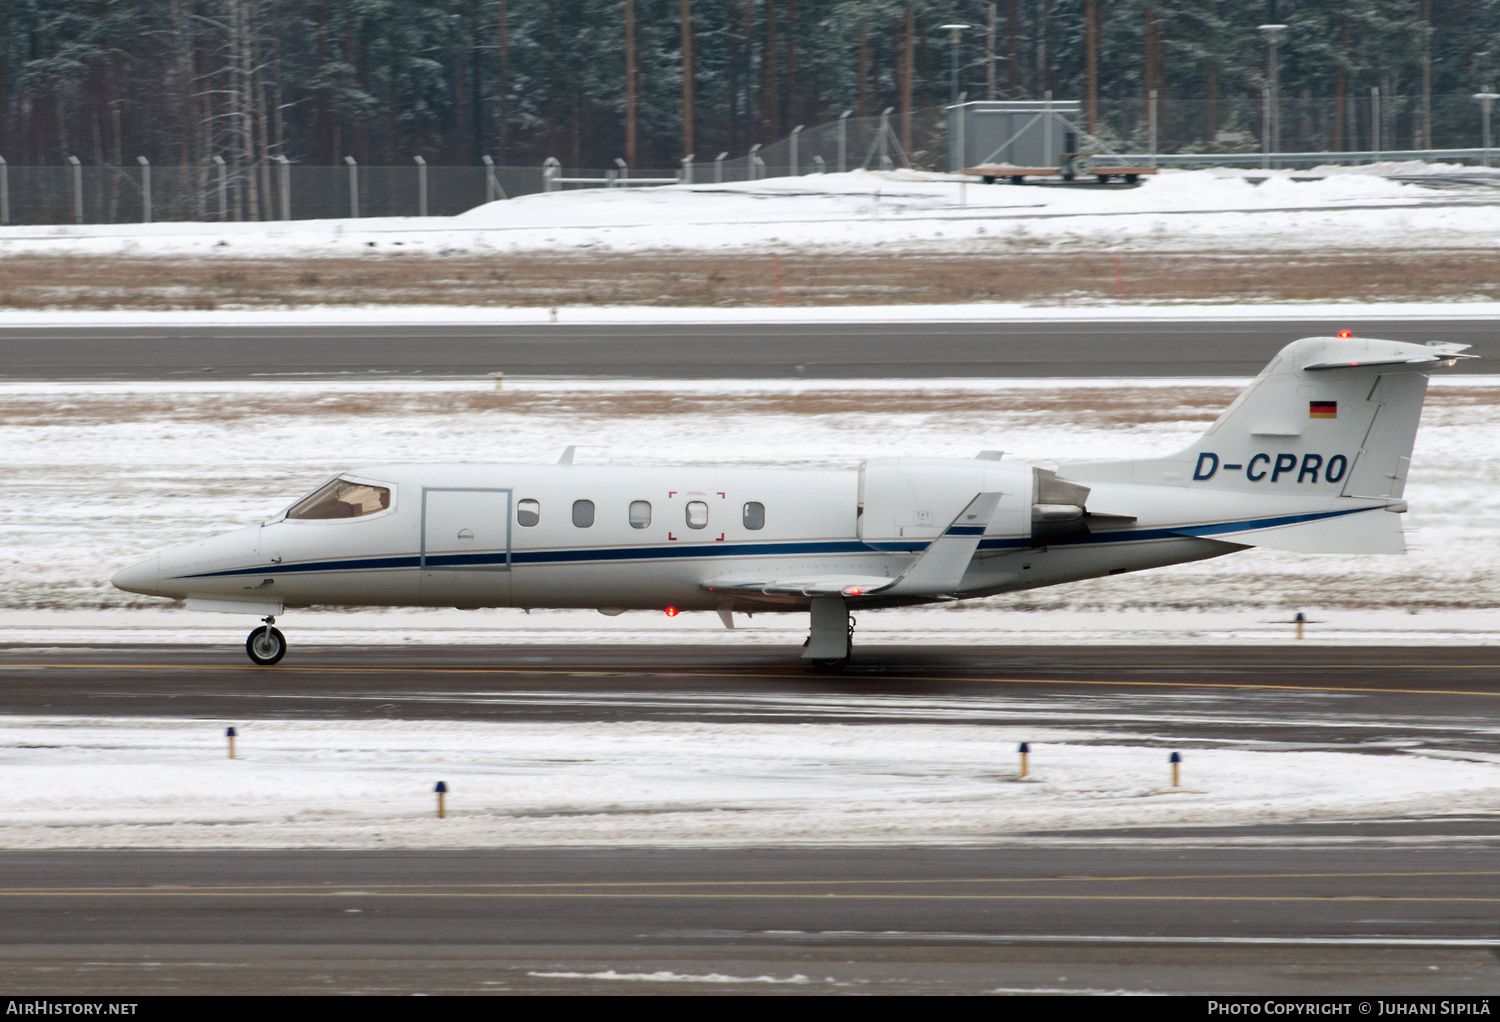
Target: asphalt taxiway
1106 348
1291 692
1307 920
1406 905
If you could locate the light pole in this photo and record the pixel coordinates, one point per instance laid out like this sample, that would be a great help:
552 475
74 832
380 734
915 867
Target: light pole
1272 124
954 33
1486 100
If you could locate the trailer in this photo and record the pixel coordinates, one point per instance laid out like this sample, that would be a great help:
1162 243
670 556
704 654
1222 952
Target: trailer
1072 168
1017 139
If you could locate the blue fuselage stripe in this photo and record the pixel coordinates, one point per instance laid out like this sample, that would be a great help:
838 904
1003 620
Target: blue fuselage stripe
763 549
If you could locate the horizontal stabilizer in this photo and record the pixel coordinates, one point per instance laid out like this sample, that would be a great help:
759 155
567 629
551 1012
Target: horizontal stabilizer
1328 418
1421 364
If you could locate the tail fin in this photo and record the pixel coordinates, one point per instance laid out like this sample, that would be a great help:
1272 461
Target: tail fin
1329 418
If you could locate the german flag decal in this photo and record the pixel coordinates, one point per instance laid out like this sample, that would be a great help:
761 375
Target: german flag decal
1322 409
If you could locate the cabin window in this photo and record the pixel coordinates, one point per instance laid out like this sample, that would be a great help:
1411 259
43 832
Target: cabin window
583 513
640 514
342 498
697 514
755 515
528 513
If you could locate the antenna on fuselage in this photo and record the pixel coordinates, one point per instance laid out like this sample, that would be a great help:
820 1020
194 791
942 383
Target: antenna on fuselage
567 455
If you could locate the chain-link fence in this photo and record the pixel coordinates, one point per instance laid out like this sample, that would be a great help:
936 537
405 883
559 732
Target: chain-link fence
557 178
1365 121
850 143
267 191
1235 129
283 191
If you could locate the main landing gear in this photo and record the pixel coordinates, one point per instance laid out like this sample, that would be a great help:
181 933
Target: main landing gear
832 638
266 645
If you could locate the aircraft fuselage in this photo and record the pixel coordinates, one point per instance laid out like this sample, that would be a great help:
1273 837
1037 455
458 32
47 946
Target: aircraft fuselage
619 538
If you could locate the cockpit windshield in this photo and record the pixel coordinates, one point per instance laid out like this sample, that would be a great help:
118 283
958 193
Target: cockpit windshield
342 498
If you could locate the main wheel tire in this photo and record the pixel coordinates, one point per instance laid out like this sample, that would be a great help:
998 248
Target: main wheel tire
266 647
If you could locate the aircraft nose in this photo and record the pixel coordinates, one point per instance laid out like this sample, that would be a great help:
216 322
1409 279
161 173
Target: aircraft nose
142 577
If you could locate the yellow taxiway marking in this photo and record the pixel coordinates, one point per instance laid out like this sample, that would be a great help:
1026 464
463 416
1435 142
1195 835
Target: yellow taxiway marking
691 673
688 668
1201 684
651 888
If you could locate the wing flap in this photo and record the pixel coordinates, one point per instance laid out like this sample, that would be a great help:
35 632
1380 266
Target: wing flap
821 585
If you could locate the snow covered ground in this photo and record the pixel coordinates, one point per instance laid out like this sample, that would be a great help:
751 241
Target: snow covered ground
77 782
894 211
102 474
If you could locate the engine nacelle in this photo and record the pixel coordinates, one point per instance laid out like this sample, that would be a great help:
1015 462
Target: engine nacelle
917 498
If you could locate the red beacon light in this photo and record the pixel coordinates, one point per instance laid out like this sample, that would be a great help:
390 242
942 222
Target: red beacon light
853 591
1346 333
672 612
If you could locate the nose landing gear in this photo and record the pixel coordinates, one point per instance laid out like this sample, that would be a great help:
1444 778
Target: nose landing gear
267 645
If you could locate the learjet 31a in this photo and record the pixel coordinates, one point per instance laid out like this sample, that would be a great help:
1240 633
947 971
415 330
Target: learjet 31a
1312 457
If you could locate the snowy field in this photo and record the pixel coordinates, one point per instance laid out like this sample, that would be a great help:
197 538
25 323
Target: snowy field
102 474
889 212
77 782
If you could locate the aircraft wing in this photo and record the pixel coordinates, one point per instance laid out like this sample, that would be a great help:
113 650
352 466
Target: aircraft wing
822 585
938 569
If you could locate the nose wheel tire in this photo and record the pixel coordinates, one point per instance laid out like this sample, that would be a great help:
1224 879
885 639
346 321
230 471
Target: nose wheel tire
266 646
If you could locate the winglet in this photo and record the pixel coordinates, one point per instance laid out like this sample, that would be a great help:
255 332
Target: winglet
941 567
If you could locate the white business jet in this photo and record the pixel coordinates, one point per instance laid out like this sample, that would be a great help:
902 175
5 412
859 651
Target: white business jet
1311 458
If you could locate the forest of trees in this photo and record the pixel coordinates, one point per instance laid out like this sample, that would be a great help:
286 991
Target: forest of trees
184 81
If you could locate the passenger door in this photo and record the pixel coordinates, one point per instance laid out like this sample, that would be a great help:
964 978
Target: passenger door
465 557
